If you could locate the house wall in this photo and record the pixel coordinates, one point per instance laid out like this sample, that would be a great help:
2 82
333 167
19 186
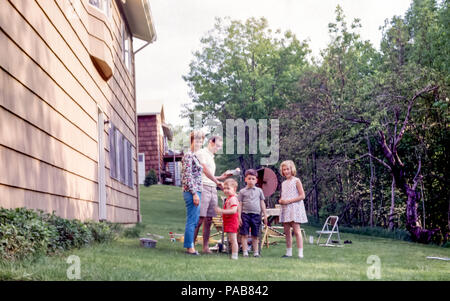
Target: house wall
148 136
50 96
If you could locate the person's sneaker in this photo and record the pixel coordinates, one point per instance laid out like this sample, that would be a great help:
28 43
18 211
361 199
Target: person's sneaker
285 256
246 255
256 255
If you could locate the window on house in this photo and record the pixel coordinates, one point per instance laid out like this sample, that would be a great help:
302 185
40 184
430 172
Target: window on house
126 47
121 157
103 5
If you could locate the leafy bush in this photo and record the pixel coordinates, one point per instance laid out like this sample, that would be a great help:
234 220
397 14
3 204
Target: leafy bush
25 233
134 232
399 234
151 178
104 231
71 233
13 243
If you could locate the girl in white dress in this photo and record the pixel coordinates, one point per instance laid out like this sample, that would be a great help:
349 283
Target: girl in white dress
292 207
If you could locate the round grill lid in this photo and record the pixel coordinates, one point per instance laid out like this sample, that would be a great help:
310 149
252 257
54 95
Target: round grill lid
267 181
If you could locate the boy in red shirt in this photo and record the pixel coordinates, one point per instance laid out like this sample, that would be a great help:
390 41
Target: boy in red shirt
230 215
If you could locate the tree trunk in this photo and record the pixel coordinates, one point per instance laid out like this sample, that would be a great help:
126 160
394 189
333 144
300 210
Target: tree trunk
397 169
448 216
423 203
344 216
411 208
252 161
243 169
380 212
341 192
313 175
391 212
308 201
316 192
418 234
371 183
363 219
354 213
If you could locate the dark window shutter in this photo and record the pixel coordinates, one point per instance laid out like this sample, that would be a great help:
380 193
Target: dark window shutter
125 160
130 164
112 152
118 169
122 160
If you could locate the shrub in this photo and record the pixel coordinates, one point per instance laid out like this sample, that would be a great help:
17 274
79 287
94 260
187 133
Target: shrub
25 233
13 244
151 178
134 232
71 233
399 234
104 231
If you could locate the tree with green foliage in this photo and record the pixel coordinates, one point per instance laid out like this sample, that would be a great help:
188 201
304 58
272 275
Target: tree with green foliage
357 98
244 71
331 95
367 128
151 178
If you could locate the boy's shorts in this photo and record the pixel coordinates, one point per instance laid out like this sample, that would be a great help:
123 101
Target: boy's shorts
250 220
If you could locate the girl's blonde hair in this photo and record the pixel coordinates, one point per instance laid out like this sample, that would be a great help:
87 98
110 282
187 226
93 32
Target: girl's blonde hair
232 183
291 165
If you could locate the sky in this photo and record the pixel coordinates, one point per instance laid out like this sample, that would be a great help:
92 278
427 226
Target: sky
180 24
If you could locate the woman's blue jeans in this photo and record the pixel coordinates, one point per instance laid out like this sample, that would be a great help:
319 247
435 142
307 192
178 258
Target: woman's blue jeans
192 216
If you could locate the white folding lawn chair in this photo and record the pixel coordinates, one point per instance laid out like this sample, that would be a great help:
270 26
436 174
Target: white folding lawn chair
329 228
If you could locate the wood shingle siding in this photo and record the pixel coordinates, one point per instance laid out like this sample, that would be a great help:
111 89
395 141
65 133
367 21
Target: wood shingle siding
151 141
50 96
14 197
44 147
84 84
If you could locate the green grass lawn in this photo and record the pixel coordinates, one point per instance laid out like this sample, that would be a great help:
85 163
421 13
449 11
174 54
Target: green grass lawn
163 211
